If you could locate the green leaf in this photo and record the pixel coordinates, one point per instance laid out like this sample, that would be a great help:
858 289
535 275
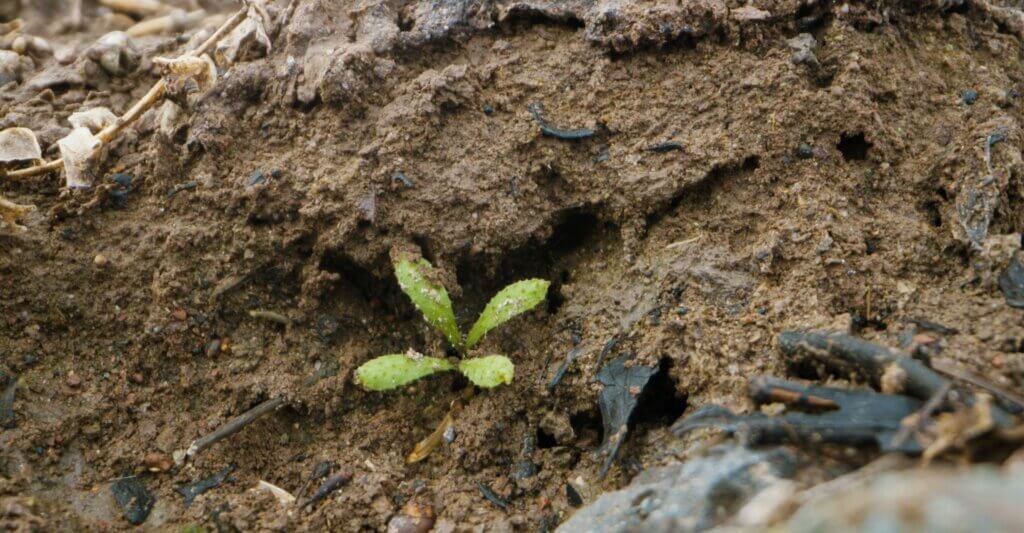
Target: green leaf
394 370
490 371
517 298
430 298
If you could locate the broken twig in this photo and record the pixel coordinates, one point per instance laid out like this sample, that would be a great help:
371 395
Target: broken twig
332 484
234 426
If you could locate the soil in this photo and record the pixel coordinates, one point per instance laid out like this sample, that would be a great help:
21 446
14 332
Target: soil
824 193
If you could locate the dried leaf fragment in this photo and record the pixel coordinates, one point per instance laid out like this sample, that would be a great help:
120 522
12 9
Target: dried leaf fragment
94 119
283 497
76 150
19 144
187 75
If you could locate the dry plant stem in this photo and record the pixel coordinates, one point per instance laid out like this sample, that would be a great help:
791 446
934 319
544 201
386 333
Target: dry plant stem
962 374
923 414
149 100
234 426
166 23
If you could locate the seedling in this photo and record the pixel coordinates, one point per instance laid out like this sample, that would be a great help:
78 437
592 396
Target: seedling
394 370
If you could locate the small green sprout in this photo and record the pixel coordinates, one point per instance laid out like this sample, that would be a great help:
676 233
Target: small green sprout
414 277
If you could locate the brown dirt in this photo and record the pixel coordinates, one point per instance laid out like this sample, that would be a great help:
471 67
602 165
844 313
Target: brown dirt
736 230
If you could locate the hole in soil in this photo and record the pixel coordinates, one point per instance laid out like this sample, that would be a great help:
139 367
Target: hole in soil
931 210
545 439
356 276
425 250
661 403
805 369
575 228
854 147
587 426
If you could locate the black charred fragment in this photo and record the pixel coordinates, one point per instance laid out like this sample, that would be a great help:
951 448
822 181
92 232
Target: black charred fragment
665 147
321 470
134 500
623 382
190 492
525 467
1011 282
572 496
537 111
332 484
854 418
492 496
562 368
10 386
928 325
847 353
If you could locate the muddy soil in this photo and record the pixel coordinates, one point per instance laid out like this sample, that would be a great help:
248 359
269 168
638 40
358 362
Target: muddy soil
754 168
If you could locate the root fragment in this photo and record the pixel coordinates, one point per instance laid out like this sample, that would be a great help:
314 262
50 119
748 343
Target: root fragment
11 212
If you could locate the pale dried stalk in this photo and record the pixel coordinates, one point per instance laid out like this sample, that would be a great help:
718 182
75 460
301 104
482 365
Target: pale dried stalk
149 100
174 21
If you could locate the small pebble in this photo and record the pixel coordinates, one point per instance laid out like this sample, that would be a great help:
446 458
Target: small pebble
257 178
124 180
804 151
488 110
969 96
135 501
100 260
74 381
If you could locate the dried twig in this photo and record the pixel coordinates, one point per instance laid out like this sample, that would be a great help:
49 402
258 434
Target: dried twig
234 426
149 100
962 374
923 414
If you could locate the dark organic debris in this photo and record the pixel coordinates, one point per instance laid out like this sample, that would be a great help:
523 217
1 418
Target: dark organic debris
804 151
187 186
623 381
852 417
321 470
190 492
492 496
562 368
662 148
400 177
10 385
572 496
1011 281
847 353
566 135
135 501
332 484
933 326
525 467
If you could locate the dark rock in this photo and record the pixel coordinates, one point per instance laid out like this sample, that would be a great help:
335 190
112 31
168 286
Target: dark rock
804 151
257 178
488 110
135 501
691 496
572 496
969 96
1011 281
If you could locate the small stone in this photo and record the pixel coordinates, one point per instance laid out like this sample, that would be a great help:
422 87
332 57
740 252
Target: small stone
74 381
804 151
449 434
213 348
257 178
137 378
179 314
488 110
100 260
969 96
158 462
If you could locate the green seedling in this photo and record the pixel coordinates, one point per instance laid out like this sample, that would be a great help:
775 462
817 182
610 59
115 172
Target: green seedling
414 277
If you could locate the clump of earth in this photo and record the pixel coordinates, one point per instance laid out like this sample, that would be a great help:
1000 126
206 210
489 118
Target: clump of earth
735 170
